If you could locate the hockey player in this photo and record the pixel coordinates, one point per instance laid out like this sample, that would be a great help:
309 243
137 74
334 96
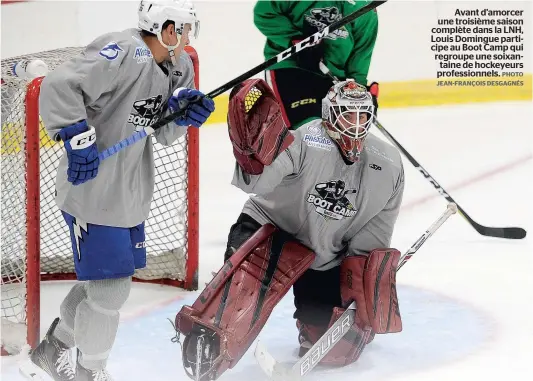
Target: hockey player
326 199
122 82
347 52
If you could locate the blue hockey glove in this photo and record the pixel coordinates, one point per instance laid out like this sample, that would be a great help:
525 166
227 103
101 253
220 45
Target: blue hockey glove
197 106
80 142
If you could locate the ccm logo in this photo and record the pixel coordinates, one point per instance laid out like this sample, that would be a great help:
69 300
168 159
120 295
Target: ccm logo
83 140
86 140
375 166
303 102
140 245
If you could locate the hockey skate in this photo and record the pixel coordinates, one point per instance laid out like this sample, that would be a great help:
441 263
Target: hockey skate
83 374
50 359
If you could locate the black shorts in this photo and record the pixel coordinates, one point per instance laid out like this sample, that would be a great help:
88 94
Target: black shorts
301 93
315 292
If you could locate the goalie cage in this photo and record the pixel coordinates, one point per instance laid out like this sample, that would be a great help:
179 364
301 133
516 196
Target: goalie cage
35 241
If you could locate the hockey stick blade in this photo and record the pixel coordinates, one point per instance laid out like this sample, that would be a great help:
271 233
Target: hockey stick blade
278 372
288 53
274 370
506 232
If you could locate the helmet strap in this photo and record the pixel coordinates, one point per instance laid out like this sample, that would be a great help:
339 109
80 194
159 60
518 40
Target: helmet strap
171 48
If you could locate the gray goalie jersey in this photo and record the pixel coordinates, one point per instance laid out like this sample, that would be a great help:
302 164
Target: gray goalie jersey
333 208
117 86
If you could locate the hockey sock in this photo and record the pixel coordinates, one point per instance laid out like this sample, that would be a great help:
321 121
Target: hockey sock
97 319
64 331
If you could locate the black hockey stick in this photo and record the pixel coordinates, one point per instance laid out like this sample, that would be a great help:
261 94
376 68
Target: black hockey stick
507 232
289 52
280 372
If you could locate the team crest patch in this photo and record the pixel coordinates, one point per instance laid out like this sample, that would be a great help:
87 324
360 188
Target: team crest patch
314 138
330 200
111 51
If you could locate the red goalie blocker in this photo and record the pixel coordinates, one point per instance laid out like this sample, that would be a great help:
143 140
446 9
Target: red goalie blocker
233 308
256 126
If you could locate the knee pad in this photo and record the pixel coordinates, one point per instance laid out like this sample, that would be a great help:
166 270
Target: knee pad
233 308
109 294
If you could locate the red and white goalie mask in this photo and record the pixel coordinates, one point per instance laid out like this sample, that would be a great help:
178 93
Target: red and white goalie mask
347 112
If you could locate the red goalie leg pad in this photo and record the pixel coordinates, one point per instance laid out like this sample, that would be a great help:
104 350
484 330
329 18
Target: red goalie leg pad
233 308
345 352
371 282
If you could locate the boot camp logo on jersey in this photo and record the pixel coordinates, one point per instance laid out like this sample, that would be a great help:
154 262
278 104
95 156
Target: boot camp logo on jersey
147 112
331 201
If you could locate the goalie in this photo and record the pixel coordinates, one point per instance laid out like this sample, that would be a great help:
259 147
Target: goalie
326 199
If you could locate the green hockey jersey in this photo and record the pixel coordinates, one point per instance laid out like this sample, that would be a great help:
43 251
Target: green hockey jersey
347 51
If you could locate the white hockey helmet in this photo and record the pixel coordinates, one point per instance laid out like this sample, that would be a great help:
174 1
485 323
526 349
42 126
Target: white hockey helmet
154 13
341 112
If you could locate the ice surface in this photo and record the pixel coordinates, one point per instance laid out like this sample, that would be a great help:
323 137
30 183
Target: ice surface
465 299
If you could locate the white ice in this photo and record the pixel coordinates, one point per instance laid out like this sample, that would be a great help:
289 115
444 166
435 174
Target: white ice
465 299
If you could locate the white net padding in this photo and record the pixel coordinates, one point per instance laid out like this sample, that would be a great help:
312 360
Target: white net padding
166 227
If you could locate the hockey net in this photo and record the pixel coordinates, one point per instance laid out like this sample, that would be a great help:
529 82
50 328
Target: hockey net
35 241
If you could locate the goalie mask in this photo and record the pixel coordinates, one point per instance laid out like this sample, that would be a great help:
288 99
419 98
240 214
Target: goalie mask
154 13
347 112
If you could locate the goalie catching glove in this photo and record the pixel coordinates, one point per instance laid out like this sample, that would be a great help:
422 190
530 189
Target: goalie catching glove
256 127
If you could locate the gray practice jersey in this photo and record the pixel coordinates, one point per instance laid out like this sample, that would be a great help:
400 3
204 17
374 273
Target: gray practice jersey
333 208
118 87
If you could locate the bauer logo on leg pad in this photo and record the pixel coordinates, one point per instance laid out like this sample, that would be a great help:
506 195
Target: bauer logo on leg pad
329 340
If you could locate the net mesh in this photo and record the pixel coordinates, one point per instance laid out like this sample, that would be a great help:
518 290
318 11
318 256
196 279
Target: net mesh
166 227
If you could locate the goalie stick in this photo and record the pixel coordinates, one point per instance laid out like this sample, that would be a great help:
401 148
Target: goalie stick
506 232
288 53
279 372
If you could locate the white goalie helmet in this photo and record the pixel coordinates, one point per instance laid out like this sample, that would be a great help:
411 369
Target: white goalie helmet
342 113
154 13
